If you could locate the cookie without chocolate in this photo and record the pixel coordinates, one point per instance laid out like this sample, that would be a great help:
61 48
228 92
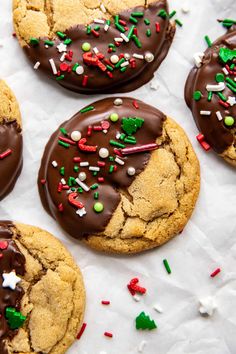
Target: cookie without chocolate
10 140
92 46
42 293
120 175
210 93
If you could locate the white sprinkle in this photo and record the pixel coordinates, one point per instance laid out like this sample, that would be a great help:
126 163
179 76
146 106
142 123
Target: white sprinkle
105 131
157 308
81 212
118 102
100 21
185 8
138 56
126 39
131 171
205 113
103 352
94 168
219 115
114 59
118 39
198 57
119 161
54 163
136 298
62 47
82 185
84 164
96 51
118 136
102 7
154 85
225 71
53 66
103 153
207 306
82 176
106 27
37 65
63 181
231 100
75 135
141 346
62 58
126 63
79 70
46 46
216 88
127 56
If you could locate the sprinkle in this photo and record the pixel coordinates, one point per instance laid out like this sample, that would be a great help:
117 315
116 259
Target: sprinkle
229 121
103 153
217 271
216 88
149 57
157 308
85 80
43 181
63 181
79 335
37 65
76 135
178 22
138 56
143 321
208 41
141 148
61 77
119 161
72 200
136 298
96 195
141 346
219 115
158 28
124 37
84 164
225 71
201 139
34 41
81 212
5 154
82 185
166 264
104 302
118 102
49 43
103 8
108 334
162 13
205 113
185 7
131 171
66 140
94 168
116 144
87 109
136 41
172 14
54 163
198 57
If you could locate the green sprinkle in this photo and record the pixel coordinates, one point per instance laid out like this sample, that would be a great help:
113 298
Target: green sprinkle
136 41
61 35
111 45
123 69
130 141
197 95
172 14
227 54
110 68
73 189
86 47
63 144
87 109
131 125
133 20
111 158
228 22
98 207
208 41
120 27
76 168
210 94
75 67
231 82
178 22
61 77
117 144
34 41
97 28
220 77
88 29
222 97
96 195
122 136
94 186
166 264
64 131
71 181
116 18
122 60
80 190
48 42
137 14
232 88
114 117
62 171
147 21
111 168
95 173
131 31
143 322
163 14
229 121
15 318
148 33
68 41
108 22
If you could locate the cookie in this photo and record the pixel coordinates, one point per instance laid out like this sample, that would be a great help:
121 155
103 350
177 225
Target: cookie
120 175
92 46
210 93
10 140
42 293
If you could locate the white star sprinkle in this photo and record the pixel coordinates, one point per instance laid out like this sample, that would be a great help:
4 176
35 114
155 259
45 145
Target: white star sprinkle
231 100
81 212
10 280
62 47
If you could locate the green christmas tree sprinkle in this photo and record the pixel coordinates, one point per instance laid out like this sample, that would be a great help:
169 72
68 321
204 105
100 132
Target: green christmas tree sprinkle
143 321
131 125
15 318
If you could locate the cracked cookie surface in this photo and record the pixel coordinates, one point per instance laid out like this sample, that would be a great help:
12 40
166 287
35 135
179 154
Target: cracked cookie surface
10 140
53 298
93 46
114 200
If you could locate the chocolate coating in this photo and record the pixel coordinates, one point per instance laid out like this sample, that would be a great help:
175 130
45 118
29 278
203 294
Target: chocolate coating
10 166
114 183
99 81
215 132
11 259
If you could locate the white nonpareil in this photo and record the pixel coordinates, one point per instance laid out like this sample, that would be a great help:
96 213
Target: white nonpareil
10 280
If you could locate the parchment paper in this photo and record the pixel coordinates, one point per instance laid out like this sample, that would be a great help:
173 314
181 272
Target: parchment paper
207 242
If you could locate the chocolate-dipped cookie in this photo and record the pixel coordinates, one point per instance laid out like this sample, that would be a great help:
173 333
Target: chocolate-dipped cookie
120 175
93 47
210 93
10 140
42 295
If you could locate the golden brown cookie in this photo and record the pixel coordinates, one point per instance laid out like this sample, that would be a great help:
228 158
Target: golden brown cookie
10 140
120 175
42 292
95 46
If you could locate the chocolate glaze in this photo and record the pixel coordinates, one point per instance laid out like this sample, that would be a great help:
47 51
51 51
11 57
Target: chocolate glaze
109 190
99 82
216 133
10 167
11 259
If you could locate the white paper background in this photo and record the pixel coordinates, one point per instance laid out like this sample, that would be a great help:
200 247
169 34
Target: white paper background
207 242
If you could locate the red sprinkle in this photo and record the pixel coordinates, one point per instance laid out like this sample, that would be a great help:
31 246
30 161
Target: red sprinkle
100 179
76 159
201 139
65 187
95 33
224 104
157 24
72 200
108 334
135 31
81 331
135 104
97 128
88 148
59 187
3 245
217 271
43 181
85 80
104 302
64 67
5 154
60 207
134 287
105 125
122 22
117 152
66 140
89 130
101 163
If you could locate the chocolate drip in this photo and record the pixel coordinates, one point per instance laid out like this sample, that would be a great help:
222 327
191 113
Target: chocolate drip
215 132
98 81
10 166
11 259
108 190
